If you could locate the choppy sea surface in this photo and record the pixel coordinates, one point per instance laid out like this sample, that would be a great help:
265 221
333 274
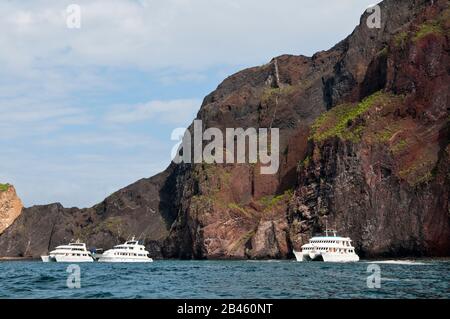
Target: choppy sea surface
228 279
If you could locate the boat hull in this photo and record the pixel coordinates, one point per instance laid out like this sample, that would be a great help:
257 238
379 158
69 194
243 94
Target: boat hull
340 258
326 257
74 259
115 259
47 259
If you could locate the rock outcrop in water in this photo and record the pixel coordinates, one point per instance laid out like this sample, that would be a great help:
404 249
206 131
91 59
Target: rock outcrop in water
364 146
10 206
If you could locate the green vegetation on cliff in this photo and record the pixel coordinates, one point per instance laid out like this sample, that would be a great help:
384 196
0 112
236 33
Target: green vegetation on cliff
305 163
426 29
399 147
4 187
270 202
340 121
237 208
269 94
438 26
401 39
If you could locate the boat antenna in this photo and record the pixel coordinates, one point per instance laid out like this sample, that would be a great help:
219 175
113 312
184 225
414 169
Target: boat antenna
140 235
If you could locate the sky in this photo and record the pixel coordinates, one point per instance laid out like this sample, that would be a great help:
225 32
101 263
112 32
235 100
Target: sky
87 111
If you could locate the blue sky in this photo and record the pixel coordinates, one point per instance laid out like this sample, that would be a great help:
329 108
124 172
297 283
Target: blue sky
85 112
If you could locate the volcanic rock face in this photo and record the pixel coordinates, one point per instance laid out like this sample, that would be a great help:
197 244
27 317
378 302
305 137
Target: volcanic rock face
142 209
363 145
10 206
379 169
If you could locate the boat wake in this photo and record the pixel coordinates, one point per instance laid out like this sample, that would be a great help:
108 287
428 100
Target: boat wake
396 262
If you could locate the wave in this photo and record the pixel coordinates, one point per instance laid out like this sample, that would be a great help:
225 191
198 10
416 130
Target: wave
45 279
397 262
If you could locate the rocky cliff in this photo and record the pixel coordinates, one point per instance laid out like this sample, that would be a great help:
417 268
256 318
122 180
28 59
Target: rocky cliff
363 146
10 206
378 168
143 209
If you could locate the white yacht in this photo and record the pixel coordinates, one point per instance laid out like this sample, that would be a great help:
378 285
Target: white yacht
131 251
73 252
328 248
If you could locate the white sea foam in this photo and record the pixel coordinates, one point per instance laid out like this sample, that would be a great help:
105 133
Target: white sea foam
397 262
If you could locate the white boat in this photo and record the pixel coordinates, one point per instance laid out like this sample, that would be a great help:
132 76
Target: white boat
328 248
131 251
73 252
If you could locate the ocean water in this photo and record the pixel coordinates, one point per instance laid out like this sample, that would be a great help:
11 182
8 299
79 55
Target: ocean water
228 279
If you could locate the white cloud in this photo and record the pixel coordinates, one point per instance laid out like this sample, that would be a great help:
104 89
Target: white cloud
176 112
187 34
112 139
171 79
